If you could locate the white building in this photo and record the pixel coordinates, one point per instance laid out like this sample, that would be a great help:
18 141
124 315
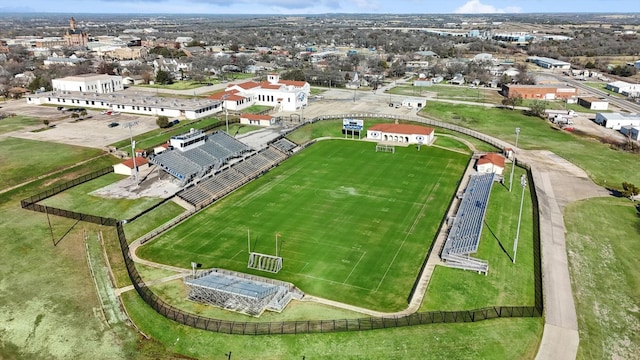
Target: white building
624 88
256 119
549 63
592 103
415 103
283 95
633 132
490 163
127 168
616 121
401 133
89 83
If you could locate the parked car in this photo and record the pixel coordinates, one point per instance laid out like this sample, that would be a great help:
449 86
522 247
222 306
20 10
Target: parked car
60 108
113 124
175 122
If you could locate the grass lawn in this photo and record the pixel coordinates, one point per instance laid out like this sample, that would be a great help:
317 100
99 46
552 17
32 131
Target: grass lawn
506 283
14 123
452 143
48 305
604 165
175 292
254 109
22 160
152 220
350 231
80 199
482 340
453 92
603 243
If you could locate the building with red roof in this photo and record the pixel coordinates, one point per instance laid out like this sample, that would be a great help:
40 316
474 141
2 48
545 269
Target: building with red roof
284 95
490 163
127 168
256 119
401 133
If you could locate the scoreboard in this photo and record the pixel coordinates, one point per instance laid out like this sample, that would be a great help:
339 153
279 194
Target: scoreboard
352 124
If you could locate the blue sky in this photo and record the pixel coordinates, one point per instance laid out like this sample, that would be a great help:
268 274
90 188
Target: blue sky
319 6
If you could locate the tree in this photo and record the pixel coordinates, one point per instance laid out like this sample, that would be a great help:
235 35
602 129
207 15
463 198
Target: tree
45 122
163 78
538 107
630 190
512 101
106 68
162 121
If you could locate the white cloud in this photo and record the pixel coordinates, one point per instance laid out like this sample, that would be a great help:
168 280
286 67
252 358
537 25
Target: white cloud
476 7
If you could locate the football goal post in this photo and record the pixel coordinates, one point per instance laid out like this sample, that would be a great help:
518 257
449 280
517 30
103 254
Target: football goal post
385 148
264 262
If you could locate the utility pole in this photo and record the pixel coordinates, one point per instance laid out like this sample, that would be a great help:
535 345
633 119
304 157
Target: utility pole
133 147
523 183
513 163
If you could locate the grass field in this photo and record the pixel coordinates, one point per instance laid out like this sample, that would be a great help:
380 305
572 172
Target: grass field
506 284
43 157
603 243
453 92
79 199
604 165
14 123
355 225
498 339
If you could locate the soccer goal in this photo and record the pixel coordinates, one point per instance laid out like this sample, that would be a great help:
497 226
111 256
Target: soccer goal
385 148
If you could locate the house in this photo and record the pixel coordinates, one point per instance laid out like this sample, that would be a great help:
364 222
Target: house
616 121
593 103
128 168
490 163
543 92
160 149
256 119
458 79
89 83
401 133
60 60
133 80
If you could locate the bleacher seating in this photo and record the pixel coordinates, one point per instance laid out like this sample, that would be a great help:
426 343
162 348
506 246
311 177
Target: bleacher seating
176 164
273 154
229 142
464 235
284 145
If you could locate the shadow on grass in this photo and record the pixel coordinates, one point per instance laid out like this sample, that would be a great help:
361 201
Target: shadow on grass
498 240
67 233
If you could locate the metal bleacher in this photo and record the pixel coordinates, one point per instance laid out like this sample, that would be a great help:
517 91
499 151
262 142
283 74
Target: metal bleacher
177 165
464 235
285 145
228 142
274 154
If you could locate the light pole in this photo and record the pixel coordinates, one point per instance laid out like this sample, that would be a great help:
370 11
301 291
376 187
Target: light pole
133 147
226 110
513 163
523 183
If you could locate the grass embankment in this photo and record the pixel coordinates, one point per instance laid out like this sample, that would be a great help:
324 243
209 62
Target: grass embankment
495 339
604 165
350 231
48 308
22 160
603 243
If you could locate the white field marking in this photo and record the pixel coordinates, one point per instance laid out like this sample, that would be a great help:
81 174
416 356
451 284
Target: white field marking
266 188
238 253
354 267
407 234
305 265
329 281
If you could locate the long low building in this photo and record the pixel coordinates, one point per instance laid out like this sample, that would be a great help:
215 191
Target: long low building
89 83
616 121
133 103
543 92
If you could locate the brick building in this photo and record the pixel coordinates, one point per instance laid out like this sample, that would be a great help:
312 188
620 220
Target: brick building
543 92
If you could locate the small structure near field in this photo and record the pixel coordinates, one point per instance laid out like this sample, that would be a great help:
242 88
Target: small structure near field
247 294
128 168
490 163
257 119
401 133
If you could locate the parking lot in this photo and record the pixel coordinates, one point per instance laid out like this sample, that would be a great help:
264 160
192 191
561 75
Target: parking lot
92 131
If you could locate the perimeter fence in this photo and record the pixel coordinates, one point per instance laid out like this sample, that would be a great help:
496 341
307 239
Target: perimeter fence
308 326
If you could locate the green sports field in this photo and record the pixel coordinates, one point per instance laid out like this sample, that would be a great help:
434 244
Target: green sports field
354 225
